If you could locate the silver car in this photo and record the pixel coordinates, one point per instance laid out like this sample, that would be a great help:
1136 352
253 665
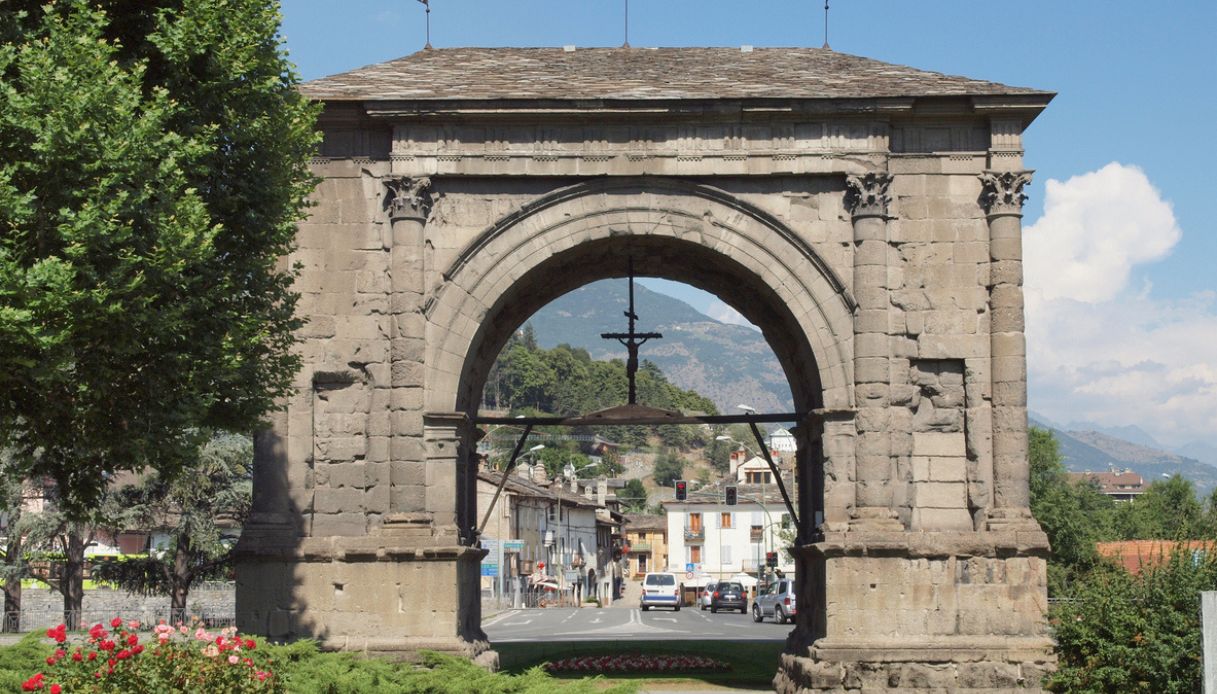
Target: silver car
706 592
777 602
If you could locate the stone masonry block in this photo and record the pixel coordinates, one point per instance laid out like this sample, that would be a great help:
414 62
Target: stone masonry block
940 495
939 444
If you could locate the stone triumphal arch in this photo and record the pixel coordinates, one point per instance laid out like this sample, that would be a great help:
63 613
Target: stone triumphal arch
865 215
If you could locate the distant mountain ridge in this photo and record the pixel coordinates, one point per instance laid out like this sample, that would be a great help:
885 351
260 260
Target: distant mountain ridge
730 364
1098 451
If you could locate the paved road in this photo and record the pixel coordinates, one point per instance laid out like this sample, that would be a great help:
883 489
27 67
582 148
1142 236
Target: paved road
592 624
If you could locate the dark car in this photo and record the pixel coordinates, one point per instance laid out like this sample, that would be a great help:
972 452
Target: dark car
729 596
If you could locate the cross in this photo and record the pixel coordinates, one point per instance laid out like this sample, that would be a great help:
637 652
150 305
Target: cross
631 340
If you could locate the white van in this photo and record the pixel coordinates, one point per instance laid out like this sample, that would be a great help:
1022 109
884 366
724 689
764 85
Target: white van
661 589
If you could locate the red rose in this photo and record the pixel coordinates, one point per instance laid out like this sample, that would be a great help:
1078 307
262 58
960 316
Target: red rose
92 656
123 654
116 622
139 648
77 657
251 644
56 689
132 640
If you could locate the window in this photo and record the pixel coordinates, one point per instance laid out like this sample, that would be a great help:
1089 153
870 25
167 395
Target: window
695 522
725 522
726 559
758 477
785 521
756 534
695 554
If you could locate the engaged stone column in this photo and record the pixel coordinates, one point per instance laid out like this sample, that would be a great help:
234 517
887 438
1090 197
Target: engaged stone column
867 199
1002 198
409 206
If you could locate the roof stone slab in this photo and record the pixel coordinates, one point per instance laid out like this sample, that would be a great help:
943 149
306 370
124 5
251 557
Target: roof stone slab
642 74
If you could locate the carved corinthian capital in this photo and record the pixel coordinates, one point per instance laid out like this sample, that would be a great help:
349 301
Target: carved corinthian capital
408 197
1002 191
866 195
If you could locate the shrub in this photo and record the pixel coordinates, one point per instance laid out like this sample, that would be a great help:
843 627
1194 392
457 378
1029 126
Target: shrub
178 659
1126 633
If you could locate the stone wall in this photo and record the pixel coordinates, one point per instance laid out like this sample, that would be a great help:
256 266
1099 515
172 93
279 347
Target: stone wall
42 608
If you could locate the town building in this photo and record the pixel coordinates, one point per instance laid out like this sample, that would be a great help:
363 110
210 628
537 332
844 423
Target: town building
782 441
706 537
647 539
1121 485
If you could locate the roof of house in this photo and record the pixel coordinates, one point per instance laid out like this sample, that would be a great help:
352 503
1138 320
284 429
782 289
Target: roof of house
638 522
1135 555
1124 482
641 74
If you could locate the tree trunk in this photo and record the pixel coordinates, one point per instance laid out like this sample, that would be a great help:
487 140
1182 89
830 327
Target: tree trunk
179 581
72 584
12 587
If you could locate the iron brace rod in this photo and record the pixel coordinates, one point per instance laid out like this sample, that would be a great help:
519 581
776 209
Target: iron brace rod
777 476
502 483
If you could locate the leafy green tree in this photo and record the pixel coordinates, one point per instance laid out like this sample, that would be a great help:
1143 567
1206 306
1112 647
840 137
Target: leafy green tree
1126 633
195 509
633 496
669 467
1074 515
1167 510
153 165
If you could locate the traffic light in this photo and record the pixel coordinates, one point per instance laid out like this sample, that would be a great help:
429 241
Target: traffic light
732 496
682 490
771 559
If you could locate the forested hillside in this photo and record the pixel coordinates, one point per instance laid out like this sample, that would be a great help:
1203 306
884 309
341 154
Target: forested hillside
566 381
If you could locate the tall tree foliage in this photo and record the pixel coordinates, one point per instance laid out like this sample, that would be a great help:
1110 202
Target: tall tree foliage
194 512
567 381
153 164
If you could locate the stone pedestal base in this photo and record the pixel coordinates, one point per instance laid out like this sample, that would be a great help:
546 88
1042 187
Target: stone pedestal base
954 664
390 596
913 611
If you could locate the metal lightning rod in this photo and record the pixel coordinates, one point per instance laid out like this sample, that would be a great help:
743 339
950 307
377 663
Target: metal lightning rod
627 25
427 4
826 46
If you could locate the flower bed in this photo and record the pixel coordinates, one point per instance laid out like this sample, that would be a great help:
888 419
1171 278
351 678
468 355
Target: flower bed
177 659
636 662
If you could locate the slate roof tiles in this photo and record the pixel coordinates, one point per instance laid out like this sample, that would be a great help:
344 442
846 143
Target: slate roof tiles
640 74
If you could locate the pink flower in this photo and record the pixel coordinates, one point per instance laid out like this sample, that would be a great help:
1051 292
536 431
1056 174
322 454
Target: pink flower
162 637
201 634
183 629
133 624
233 660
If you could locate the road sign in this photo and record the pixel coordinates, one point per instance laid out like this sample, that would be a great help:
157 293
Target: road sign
689 567
490 569
513 545
688 574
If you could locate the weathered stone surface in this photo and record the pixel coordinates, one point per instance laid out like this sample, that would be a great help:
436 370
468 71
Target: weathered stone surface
880 253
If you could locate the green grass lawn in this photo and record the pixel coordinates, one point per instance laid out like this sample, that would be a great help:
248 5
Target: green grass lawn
753 663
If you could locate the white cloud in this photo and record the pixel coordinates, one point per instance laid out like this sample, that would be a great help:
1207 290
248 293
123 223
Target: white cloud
1095 228
1101 347
722 312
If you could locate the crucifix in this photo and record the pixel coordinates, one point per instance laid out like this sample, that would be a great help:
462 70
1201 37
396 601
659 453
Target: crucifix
632 340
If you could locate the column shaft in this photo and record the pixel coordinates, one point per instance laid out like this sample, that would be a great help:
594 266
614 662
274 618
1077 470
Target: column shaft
408 209
1003 201
867 200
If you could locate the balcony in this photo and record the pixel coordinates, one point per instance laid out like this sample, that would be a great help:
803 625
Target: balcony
640 547
695 535
756 535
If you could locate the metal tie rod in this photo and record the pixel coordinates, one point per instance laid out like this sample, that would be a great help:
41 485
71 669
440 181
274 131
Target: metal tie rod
477 534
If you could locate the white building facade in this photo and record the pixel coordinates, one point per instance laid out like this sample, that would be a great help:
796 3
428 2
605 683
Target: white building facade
716 540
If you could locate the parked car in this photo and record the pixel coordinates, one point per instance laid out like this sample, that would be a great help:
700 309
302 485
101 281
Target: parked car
777 602
704 599
729 596
661 589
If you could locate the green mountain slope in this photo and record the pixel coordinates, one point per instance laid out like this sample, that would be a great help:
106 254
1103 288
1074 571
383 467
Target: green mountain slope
729 364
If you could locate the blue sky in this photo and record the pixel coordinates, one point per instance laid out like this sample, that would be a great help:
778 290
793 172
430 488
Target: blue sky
1137 86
